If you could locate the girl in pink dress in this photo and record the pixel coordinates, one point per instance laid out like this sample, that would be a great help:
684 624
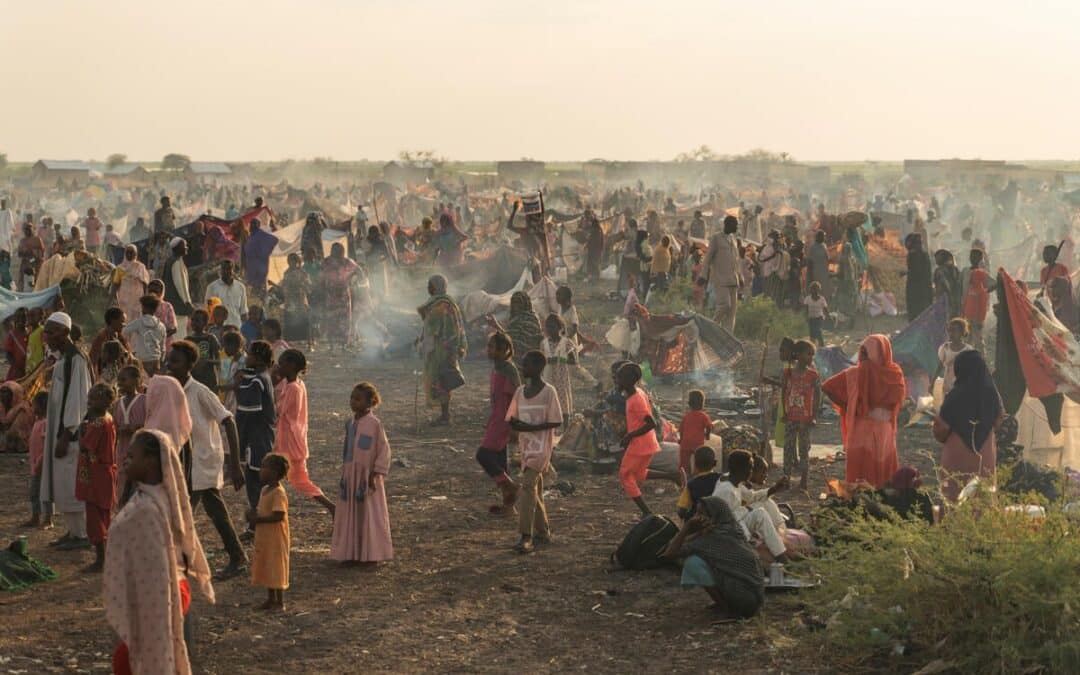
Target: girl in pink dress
290 398
165 312
362 519
129 413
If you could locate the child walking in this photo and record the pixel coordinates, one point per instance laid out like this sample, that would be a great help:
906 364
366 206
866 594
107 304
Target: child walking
362 518
491 454
817 309
95 478
39 516
270 519
694 429
801 394
640 442
561 355
292 425
535 414
256 419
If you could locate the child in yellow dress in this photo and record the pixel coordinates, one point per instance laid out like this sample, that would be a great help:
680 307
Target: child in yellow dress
270 567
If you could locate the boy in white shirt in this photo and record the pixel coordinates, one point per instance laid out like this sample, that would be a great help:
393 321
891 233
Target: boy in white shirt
740 497
817 309
146 335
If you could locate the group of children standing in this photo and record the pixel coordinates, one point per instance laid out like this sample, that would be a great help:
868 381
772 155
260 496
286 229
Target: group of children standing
214 395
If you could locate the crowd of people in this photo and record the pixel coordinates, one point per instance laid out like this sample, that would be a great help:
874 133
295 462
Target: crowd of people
182 393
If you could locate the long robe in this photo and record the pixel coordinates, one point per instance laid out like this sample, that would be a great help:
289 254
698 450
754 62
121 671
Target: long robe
920 290
869 395
58 474
818 258
444 343
362 518
132 287
257 250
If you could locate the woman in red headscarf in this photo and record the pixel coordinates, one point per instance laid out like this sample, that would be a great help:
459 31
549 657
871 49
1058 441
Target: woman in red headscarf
869 395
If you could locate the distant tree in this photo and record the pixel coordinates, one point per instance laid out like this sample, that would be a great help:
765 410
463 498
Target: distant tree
3 161
115 159
699 154
763 155
409 156
175 161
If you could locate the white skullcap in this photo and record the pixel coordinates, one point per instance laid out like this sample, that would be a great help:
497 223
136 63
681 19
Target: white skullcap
60 318
175 241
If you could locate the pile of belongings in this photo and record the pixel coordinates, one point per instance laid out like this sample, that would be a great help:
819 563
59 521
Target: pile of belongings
18 570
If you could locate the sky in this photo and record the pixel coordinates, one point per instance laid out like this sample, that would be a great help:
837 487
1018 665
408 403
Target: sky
829 80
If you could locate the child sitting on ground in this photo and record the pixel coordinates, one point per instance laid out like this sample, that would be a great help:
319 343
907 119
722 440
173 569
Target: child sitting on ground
739 497
701 485
694 429
41 516
270 519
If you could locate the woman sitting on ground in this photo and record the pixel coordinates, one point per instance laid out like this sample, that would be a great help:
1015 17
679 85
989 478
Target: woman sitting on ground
720 560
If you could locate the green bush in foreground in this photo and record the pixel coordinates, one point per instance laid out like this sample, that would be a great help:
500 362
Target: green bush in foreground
756 314
985 591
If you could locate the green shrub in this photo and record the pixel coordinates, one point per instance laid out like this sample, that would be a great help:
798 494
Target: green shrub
679 297
757 313
985 591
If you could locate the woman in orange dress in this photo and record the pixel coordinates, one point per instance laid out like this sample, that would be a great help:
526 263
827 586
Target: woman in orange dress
868 396
966 424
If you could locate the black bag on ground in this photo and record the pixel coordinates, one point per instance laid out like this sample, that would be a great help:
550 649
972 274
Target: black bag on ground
642 546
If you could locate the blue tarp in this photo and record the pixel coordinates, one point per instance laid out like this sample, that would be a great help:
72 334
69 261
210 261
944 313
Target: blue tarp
11 300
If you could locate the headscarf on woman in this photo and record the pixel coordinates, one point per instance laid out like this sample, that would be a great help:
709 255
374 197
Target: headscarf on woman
735 564
868 396
524 326
167 410
973 405
151 540
872 380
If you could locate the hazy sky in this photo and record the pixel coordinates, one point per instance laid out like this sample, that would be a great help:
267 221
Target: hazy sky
504 79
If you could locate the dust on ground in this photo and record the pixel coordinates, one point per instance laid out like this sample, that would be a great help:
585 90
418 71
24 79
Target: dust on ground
455 598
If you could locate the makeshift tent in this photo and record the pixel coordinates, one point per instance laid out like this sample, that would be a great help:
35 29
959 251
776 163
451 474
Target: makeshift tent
685 344
914 349
12 300
289 242
495 272
1047 353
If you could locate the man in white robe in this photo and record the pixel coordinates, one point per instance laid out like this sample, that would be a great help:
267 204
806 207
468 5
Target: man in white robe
67 407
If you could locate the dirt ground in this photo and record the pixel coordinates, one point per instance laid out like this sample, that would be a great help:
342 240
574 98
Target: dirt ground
455 598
